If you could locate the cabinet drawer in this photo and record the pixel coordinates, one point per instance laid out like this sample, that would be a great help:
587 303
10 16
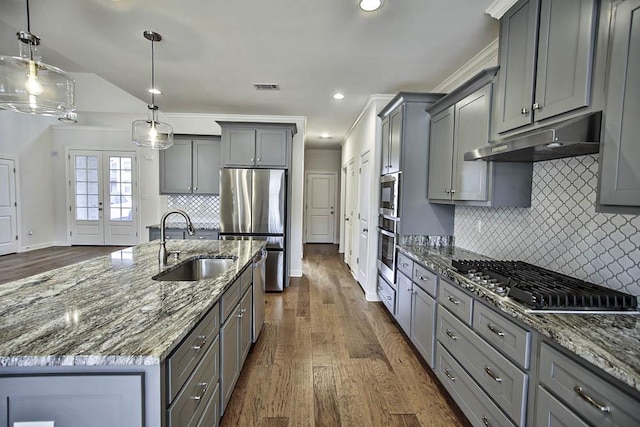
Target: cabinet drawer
181 363
192 400
503 334
387 295
246 279
551 413
211 414
499 378
456 301
229 299
426 279
575 385
475 404
173 234
204 235
405 264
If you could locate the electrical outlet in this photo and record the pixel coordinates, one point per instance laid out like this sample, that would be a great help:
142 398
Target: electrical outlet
479 226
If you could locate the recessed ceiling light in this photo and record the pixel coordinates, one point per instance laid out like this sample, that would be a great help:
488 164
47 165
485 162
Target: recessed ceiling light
338 96
155 91
370 5
325 136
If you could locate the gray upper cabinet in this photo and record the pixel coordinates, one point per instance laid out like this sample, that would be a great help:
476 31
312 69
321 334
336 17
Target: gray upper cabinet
392 141
619 177
191 167
256 145
384 167
441 155
534 87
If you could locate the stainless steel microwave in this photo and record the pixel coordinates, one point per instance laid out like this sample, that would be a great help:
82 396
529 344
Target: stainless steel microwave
389 195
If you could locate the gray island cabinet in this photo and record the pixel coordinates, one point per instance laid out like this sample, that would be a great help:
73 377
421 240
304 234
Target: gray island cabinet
101 343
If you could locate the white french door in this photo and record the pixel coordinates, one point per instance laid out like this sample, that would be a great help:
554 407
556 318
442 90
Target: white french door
103 197
321 190
8 215
363 232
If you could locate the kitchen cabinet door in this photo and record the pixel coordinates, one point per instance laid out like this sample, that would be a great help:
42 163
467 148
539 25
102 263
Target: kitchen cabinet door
565 56
206 167
403 301
175 168
619 173
384 168
246 325
239 147
271 148
471 130
229 356
395 139
441 155
423 321
518 33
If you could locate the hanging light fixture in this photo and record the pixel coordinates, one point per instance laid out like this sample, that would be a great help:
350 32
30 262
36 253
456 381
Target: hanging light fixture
30 86
152 133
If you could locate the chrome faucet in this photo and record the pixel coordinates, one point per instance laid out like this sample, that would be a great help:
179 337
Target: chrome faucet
163 254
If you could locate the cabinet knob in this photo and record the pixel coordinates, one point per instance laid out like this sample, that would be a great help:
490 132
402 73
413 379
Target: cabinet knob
446 190
195 188
251 159
189 188
536 106
524 111
452 191
259 159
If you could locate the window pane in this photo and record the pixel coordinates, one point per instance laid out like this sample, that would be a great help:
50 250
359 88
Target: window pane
114 162
92 162
93 214
126 202
125 176
93 188
81 201
115 214
126 163
126 189
81 214
81 175
93 201
92 175
81 162
81 188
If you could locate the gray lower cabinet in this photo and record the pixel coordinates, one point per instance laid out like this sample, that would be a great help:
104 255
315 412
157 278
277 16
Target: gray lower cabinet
546 59
387 294
403 302
619 179
235 337
550 412
191 166
101 400
583 392
423 323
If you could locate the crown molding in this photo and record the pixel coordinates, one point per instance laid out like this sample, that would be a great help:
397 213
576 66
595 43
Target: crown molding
371 102
499 8
487 57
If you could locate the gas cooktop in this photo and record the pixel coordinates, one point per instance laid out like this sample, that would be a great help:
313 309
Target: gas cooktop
545 290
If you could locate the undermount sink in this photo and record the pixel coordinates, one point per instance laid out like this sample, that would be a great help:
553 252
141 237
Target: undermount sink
197 269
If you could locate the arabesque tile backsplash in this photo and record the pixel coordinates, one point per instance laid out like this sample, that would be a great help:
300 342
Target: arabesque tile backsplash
561 230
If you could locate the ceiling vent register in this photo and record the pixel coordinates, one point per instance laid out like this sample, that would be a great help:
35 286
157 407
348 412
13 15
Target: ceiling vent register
266 86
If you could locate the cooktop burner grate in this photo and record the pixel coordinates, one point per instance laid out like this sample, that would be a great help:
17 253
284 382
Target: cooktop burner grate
539 288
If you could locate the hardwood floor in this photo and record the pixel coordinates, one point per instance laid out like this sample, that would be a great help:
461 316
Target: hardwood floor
327 357
25 264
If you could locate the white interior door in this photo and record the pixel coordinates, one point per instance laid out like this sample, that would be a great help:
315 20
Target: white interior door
8 215
348 220
321 193
103 198
363 231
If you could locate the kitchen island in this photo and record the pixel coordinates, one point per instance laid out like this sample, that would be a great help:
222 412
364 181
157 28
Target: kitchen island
107 315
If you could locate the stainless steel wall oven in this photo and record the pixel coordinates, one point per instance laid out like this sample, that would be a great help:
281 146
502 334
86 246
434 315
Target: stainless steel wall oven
386 259
389 195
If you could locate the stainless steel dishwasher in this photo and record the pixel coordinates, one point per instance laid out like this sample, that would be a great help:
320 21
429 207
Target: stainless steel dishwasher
259 263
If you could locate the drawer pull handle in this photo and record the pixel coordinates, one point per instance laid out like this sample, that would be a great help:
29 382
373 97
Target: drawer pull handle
197 347
453 300
494 330
590 400
448 374
486 422
404 264
450 334
388 297
410 290
203 390
240 316
424 279
492 375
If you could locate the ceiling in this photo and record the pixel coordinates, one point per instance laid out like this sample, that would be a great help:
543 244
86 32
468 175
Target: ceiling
214 50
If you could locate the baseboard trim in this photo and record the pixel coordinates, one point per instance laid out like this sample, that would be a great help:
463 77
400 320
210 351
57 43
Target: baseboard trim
295 273
372 297
40 246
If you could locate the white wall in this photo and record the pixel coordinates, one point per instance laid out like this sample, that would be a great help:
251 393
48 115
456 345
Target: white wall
326 160
365 135
26 139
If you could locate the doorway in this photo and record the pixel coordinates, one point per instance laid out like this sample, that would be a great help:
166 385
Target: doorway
321 203
363 215
103 196
8 209
349 205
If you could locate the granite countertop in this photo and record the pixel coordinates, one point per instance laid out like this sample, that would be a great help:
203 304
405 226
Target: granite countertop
609 341
108 310
181 225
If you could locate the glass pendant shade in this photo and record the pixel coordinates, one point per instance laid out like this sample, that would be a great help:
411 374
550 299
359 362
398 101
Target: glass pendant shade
30 86
152 133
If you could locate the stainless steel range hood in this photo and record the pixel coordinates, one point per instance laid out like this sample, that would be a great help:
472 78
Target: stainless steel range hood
574 137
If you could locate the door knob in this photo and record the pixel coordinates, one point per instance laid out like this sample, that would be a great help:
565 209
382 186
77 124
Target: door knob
524 111
365 230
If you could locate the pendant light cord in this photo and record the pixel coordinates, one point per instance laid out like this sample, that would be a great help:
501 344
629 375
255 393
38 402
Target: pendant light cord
153 83
28 19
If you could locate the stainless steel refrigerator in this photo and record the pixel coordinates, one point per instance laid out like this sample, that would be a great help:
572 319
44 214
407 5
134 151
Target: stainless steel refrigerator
253 204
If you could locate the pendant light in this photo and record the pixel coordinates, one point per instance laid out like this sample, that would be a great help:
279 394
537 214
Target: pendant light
30 86
152 133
